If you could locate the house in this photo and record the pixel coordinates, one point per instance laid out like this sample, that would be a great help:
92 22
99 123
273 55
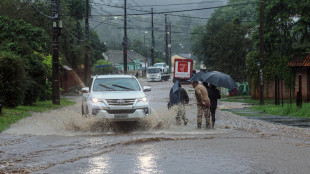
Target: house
302 83
302 76
135 61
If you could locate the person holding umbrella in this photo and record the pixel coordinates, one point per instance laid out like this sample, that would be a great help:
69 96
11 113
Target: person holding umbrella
178 96
203 104
214 95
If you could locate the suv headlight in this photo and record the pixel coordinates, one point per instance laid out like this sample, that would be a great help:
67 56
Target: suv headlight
143 99
95 100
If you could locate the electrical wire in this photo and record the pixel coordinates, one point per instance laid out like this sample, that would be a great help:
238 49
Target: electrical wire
180 4
177 11
31 4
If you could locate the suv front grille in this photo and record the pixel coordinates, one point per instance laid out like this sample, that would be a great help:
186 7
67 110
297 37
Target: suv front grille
127 111
120 102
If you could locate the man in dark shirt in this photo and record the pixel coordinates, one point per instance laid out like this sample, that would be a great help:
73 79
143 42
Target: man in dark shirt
214 95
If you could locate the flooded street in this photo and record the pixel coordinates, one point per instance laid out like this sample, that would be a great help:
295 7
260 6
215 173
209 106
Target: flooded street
61 141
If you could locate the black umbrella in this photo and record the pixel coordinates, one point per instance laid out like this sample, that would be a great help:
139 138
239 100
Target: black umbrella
175 94
198 76
220 79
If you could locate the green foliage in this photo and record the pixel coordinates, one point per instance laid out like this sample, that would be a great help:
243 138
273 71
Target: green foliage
12 79
223 44
137 46
226 47
21 37
36 78
12 115
252 69
286 110
97 47
245 12
285 37
197 47
77 8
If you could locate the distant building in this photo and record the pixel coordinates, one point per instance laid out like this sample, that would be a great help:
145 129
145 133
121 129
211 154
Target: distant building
135 61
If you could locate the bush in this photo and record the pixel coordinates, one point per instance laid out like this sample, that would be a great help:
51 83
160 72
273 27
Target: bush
12 75
36 74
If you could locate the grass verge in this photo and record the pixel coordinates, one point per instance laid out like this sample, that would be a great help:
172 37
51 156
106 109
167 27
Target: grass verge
12 115
270 108
286 110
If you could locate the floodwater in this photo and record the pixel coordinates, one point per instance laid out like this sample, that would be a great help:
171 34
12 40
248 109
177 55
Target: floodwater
61 141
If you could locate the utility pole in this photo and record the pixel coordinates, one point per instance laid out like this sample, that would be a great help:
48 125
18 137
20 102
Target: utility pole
125 37
145 50
153 42
169 46
166 40
55 54
261 53
86 63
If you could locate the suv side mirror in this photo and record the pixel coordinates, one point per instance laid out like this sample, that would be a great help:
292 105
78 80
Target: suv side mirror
85 90
146 88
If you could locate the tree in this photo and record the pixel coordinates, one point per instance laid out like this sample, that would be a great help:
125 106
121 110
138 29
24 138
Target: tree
197 47
226 50
223 43
286 35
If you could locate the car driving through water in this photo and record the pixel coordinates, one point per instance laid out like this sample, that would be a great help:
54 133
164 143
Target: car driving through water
116 97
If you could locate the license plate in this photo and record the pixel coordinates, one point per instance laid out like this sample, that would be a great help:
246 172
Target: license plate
118 116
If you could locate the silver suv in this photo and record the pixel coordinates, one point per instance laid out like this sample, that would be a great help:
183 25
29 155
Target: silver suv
116 97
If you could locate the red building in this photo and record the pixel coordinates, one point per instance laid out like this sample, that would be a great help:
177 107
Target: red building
302 83
71 81
302 76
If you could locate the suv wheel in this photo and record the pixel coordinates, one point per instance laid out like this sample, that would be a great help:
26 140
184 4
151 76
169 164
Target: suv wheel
83 111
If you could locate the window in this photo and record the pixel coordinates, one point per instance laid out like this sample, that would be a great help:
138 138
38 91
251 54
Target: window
116 84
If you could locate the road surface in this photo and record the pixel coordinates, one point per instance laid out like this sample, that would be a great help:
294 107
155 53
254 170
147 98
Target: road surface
61 141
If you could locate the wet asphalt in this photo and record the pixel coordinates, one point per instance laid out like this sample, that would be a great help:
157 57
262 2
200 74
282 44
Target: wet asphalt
61 141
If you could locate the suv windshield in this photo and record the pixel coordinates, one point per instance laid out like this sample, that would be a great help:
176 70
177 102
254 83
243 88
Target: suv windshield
116 84
153 70
158 64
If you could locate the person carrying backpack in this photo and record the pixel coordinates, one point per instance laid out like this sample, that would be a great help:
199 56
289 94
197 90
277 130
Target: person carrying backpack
178 96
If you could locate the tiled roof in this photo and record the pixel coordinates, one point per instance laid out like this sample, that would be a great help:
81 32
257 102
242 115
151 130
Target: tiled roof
300 61
116 56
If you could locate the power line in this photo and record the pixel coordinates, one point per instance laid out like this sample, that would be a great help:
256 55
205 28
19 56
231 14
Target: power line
177 11
179 4
50 17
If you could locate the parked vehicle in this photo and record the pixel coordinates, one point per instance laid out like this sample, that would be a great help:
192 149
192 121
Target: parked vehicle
116 98
155 74
164 68
183 69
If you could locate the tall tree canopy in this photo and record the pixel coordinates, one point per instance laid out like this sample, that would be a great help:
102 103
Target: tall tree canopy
224 42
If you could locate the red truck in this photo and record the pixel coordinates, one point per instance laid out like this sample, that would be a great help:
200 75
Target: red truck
183 69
